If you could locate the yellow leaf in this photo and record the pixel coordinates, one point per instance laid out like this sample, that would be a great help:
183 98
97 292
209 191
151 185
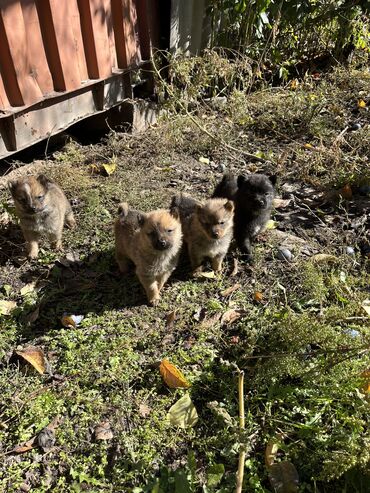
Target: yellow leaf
294 84
110 168
35 356
258 296
206 275
172 376
366 306
28 288
183 413
6 307
204 160
68 322
271 224
361 103
308 146
366 381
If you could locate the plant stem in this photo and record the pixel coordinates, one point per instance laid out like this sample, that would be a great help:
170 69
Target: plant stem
240 475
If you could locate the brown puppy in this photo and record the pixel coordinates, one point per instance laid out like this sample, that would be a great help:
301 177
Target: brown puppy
152 242
42 209
208 229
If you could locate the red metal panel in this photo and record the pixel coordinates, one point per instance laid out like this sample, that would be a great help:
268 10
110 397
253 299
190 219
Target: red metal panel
36 52
95 36
17 70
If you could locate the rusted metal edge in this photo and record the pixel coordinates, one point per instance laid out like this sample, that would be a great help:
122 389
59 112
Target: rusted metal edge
29 125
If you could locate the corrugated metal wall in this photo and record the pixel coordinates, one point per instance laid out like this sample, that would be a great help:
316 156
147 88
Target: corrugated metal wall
63 60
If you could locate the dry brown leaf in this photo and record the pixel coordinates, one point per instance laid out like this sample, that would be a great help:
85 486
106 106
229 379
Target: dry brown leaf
324 257
258 296
20 449
235 268
209 322
230 290
144 410
170 319
103 431
172 375
230 316
35 356
346 192
281 203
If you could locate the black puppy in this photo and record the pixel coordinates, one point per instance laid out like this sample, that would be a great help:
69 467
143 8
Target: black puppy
253 195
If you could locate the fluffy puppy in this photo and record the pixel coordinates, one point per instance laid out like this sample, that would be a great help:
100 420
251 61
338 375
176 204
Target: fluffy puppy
253 196
42 209
152 242
207 228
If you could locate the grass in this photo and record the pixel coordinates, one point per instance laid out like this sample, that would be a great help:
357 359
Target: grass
302 349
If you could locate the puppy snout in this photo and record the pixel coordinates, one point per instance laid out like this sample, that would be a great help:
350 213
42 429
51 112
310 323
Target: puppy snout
215 234
162 244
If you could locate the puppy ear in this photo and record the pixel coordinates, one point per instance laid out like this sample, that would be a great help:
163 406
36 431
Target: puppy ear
141 219
273 179
229 206
175 213
44 180
241 180
123 209
12 185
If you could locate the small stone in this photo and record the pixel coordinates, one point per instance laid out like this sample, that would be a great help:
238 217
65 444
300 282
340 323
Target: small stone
284 254
364 190
221 168
350 250
354 127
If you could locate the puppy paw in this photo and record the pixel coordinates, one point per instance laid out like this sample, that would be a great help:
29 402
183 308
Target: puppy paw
154 301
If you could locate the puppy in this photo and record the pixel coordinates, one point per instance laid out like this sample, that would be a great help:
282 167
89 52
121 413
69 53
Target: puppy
152 242
208 229
253 196
42 209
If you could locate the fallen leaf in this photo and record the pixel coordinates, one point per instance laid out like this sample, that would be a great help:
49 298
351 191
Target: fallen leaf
6 307
258 296
144 410
35 356
206 275
172 376
109 168
71 321
324 257
33 316
170 319
204 160
365 375
209 322
366 306
294 84
230 316
28 288
281 203
346 192
271 224
235 267
20 449
103 431
183 413
230 290
308 146
361 103
283 477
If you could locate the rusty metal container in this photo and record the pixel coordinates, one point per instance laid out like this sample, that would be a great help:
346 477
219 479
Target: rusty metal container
65 60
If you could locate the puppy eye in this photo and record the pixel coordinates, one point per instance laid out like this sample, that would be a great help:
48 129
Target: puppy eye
169 231
221 222
267 194
40 197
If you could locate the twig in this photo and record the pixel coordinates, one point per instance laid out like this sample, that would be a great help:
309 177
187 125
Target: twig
212 136
338 137
240 475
